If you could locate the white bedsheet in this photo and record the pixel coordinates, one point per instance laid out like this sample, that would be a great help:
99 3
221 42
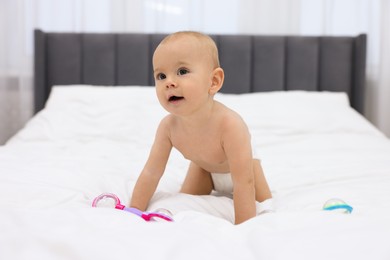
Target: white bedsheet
91 140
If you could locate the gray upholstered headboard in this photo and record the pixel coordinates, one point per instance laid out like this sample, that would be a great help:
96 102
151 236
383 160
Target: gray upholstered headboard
252 63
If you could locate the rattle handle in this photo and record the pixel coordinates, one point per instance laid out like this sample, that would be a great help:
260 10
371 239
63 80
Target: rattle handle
134 211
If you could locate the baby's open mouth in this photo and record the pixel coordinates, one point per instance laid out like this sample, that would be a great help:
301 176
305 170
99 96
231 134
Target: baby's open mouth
175 98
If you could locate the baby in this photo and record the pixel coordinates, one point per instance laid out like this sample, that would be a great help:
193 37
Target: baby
214 138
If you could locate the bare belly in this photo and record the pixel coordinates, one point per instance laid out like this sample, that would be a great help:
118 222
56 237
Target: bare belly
212 167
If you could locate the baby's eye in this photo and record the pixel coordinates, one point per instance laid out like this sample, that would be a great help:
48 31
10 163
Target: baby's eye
182 71
161 76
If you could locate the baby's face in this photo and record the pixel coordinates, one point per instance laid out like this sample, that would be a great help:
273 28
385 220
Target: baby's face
183 71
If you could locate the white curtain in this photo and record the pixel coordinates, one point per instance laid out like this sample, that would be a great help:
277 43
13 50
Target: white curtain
18 18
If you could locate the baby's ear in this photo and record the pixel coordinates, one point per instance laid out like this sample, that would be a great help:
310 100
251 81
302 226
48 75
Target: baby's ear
217 81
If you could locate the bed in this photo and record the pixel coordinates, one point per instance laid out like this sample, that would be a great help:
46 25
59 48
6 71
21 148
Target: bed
96 115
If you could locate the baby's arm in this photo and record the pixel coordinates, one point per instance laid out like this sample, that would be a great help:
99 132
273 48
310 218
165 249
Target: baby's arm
237 145
153 170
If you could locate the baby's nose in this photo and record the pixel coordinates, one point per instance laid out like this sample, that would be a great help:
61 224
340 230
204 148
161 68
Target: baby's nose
171 84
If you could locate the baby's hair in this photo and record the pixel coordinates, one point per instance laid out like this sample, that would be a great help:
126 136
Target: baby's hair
204 39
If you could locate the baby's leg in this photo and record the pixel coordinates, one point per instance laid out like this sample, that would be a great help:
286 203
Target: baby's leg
261 186
197 182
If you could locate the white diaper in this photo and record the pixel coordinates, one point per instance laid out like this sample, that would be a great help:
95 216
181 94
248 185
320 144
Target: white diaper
266 206
223 182
223 185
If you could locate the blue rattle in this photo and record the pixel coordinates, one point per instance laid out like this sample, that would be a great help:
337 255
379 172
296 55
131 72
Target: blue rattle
337 205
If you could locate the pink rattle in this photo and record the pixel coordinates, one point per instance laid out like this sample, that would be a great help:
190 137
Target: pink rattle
112 201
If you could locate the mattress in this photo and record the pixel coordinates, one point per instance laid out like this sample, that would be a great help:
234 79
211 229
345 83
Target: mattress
89 140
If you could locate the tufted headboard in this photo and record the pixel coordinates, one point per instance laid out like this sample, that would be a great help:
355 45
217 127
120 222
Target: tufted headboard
252 63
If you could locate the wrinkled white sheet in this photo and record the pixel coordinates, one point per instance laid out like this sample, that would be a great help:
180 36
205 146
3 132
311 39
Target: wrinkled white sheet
90 140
